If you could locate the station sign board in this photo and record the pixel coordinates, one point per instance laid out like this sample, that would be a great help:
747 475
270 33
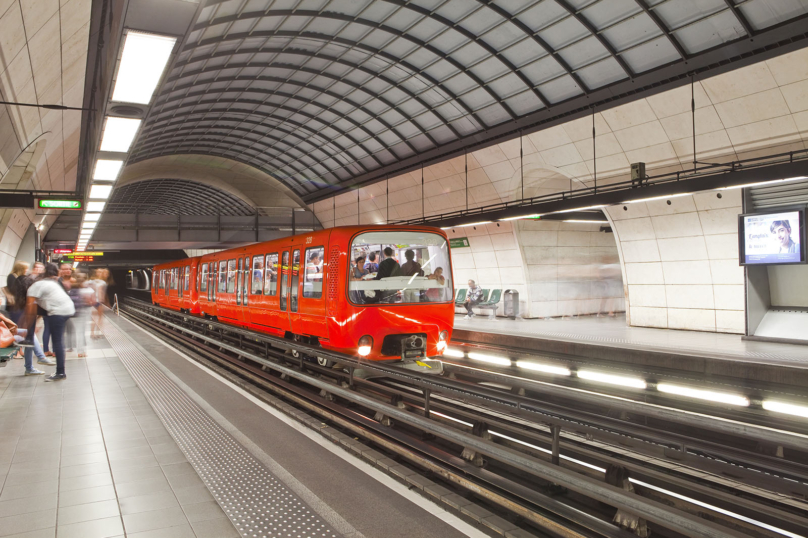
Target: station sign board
85 253
63 251
61 203
459 242
83 258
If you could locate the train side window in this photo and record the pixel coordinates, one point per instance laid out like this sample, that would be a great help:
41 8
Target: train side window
203 279
174 278
222 276
313 278
257 287
295 281
187 284
284 279
271 274
231 276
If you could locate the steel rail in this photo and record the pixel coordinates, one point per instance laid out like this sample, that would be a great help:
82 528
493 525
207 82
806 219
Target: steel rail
521 405
650 510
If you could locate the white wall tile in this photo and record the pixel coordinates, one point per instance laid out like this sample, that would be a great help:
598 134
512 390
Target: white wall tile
640 251
730 321
644 273
649 317
682 225
722 247
720 221
691 319
691 272
690 296
635 229
729 296
643 295
682 249
726 272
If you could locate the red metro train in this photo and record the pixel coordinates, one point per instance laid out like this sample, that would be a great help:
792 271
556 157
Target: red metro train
395 304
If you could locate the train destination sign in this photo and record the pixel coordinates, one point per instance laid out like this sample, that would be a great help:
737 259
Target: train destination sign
87 253
83 258
63 251
50 203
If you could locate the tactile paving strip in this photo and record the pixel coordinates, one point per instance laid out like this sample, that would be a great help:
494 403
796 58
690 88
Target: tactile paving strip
258 504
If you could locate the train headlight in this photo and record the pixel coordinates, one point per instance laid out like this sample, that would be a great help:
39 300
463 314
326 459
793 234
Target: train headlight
365 345
442 341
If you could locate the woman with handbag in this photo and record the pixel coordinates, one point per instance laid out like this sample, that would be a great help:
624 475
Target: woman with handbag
48 294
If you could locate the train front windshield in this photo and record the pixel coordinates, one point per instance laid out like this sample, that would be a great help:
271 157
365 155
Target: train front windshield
399 268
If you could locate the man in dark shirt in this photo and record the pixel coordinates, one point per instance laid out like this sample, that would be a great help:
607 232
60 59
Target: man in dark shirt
411 267
389 267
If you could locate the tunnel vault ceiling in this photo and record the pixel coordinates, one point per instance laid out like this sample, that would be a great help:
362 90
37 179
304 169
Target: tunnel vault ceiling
325 94
175 196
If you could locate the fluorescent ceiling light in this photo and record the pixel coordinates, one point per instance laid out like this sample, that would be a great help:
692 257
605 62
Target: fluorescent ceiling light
588 221
783 407
533 216
623 381
106 170
772 182
502 361
718 397
119 134
88 226
100 192
473 224
92 217
143 61
658 198
96 206
451 352
546 368
581 209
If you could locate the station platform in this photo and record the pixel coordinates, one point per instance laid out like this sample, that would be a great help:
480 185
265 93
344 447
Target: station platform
142 441
610 339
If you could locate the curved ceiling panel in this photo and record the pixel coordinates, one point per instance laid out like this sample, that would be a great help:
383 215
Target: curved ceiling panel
320 93
175 196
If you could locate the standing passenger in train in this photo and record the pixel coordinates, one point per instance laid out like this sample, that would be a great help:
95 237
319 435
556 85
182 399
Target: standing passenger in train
388 267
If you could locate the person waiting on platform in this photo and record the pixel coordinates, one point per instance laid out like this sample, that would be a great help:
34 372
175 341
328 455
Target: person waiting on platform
474 296
371 266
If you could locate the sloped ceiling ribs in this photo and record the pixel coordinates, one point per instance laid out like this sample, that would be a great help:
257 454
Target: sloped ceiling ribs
323 94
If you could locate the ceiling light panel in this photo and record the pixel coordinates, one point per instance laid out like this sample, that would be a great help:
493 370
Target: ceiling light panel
96 206
100 192
92 217
119 134
143 61
106 170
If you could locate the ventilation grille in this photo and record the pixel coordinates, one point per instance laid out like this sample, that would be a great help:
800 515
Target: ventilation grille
783 194
333 273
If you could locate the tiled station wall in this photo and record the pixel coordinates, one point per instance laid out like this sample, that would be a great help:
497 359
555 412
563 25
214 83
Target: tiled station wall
680 262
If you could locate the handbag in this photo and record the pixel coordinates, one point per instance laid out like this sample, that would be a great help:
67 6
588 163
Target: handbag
6 338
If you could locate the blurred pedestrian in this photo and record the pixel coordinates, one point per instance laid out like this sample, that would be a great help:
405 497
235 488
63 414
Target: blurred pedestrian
99 286
51 296
30 343
83 298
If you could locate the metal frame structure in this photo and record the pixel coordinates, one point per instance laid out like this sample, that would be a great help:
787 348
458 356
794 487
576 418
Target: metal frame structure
175 196
356 91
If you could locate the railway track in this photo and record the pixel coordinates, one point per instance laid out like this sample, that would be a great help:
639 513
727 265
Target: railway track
550 458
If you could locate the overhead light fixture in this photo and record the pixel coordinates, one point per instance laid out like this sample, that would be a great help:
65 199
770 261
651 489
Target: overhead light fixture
472 224
588 221
451 352
546 368
709 395
143 61
119 134
623 381
91 217
762 183
88 225
96 206
100 192
581 209
533 216
482 357
106 170
658 198
783 407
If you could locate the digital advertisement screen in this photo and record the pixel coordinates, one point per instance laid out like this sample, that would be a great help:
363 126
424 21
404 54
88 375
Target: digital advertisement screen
772 238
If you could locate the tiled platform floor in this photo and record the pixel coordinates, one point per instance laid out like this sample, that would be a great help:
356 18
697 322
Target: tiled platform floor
613 331
89 458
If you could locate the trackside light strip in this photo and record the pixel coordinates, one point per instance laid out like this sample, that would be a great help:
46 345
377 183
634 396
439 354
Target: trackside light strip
143 61
783 407
482 357
546 368
709 395
623 381
452 352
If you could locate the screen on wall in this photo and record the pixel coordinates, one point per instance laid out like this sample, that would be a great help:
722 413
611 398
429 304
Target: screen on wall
772 238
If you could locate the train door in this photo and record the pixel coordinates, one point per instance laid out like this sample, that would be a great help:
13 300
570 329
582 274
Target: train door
285 288
245 292
311 317
239 312
294 293
180 290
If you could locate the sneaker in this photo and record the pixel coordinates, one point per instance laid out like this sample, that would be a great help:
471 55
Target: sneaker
26 343
46 361
34 371
56 377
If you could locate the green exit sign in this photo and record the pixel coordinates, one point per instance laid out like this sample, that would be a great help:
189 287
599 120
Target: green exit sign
459 242
59 204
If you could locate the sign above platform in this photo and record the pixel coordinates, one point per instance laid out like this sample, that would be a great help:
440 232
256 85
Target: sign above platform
459 242
52 203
